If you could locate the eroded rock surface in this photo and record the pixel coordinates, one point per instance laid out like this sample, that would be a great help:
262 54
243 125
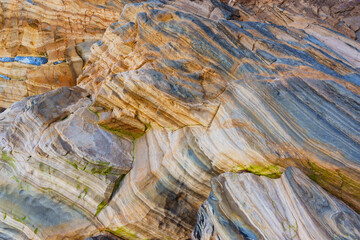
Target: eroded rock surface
341 15
52 142
201 88
246 206
269 88
44 44
27 213
267 102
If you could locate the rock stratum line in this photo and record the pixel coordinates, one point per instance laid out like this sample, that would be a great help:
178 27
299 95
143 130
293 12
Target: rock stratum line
179 120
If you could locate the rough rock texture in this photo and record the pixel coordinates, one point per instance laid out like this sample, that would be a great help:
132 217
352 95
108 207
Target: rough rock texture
103 236
29 213
342 15
202 88
246 206
265 98
267 101
44 44
53 143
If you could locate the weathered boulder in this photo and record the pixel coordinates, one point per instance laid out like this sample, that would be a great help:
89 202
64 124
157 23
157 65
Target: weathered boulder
246 206
52 143
202 88
220 96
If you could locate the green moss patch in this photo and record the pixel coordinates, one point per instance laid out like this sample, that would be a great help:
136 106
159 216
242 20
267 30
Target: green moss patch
101 171
7 159
100 207
21 220
94 112
123 133
271 171
103 204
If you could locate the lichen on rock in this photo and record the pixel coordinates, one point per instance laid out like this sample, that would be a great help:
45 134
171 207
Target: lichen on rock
181 109
53 144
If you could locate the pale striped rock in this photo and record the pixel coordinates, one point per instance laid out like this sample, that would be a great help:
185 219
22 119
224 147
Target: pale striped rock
257 93
199 93
52 143
220 96
246 206
30 214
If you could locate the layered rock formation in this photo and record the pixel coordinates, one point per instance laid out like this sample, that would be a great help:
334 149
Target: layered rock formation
48 142
341 15
265 86
174 94
245 206
44 44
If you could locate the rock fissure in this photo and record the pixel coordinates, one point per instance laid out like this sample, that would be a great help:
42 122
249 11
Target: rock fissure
189 119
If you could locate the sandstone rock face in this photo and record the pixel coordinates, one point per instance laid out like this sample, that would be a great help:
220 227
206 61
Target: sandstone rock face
176 93
266 96
29 213
52 143
341 15
264 91
246 206
44 44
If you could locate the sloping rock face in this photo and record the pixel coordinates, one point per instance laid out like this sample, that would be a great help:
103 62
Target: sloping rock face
267 102
30 213
48 142
44 44
246 206
177 93
342 15
267 89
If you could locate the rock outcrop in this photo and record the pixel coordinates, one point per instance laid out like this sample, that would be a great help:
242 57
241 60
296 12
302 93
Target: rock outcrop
264 91
52 143
247 96
246 206
341 15
44 44
176 93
